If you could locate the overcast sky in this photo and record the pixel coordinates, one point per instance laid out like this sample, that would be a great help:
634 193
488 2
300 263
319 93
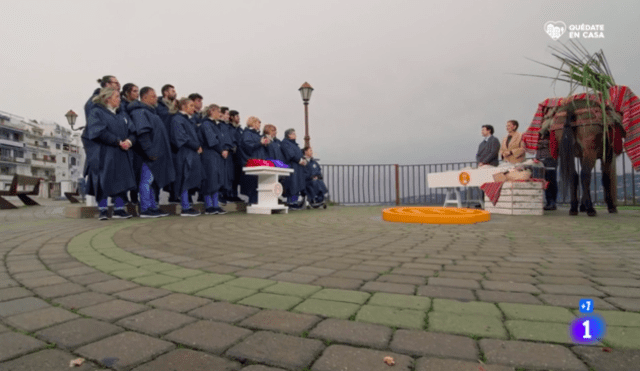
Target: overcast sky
408 82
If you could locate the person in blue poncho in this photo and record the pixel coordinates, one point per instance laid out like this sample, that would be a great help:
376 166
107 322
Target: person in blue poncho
213 156
315 188
107 81
107 141
274 148
130 93
189 172
232 145
294 183
153 150
234 119
198 116
252 146
165 105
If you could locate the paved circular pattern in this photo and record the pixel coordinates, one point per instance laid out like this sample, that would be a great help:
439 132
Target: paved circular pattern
435 215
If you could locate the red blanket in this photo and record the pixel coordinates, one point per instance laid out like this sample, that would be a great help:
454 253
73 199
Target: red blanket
622 100
493 189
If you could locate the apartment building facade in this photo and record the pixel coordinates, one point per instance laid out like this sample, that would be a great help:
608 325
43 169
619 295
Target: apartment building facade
40 149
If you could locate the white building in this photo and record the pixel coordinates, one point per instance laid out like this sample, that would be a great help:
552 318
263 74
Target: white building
41 149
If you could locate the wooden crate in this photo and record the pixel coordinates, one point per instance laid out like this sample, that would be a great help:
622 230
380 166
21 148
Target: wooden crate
518 198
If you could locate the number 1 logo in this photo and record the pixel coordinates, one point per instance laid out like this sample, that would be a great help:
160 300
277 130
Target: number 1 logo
587 330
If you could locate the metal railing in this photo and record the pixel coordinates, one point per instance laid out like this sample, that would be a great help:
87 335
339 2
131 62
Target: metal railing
394 184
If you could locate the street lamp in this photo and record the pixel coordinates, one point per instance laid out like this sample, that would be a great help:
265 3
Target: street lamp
71 119
305 91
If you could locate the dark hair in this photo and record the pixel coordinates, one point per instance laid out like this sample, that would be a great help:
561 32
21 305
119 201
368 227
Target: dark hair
105 80
195 96
223 110
144 91
488 127
126 89
233 113
166 88
305 149
515 123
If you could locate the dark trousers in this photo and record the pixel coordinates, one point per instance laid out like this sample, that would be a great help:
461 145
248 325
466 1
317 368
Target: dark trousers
551 176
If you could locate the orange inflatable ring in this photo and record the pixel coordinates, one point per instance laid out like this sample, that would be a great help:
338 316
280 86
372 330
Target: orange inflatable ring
435 215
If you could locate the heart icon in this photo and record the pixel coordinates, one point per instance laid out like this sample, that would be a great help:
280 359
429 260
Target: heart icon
555 29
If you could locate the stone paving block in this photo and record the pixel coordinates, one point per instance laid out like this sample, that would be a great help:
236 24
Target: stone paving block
160 267
572 301
70 272
346 358
397 278
570 290
437 364
461 275
251 283
347 296
369 268
445 292
294 277
454 282
142 294
623 337
470 325
354 333
44 281
155 322
179 302
3 328
540 313
421 343
33 275
547 332
256 273
88 279
560 272
78 332
186 359
414 272
261 368
617 359
557 280
395 288
23 305
466 308
338 283
625 292
13 345
8 283
14 293
289 352
54 291
618 318
523 354
128 274
226 292
125 350
280 321
112 267
113 310
314 271
48 359
109 287
210 336
400 301
156 280
327 308
394 317
183 273
629 304
356 275
509 297
37 319
465 268
509 286
85 299
511 270
197 283
224 312
292 289
271 301
278 267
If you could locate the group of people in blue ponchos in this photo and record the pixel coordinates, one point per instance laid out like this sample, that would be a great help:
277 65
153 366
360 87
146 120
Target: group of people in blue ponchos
138 143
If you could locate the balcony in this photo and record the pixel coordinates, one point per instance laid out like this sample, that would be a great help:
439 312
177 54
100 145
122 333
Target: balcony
12 143
15 160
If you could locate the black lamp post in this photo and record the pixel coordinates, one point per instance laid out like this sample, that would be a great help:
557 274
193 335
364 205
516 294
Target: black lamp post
305 91
71 119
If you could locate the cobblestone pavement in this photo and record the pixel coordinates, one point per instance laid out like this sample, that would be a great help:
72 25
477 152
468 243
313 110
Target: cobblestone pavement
335 289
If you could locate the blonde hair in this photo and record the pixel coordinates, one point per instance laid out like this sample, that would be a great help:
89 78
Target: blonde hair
268 129
179 105
252 120
210 108
103 95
